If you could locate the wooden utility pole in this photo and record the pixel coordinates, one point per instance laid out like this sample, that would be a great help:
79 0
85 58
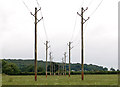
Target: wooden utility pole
50 62
35 44
65 62
36 21
63 68
63 65
69 55
82 44
58 69
54 68
46 55
82 41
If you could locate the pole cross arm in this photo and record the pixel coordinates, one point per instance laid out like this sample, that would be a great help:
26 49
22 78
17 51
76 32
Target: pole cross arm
46 42
36 18
85 9
72 47
40 19
81 16
38 9
32 14
48 47
35 12
86 20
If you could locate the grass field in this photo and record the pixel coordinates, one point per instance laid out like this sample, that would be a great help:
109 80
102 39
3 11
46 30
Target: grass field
61 80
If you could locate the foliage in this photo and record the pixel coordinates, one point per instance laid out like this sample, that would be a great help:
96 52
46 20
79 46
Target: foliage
111 69
40 69
24 67
54 66
9 68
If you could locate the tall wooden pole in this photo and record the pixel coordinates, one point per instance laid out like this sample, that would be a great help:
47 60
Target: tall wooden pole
82 48
36 21
65 62
54 68
46 56
63 67
69 56
35 44
82 41
58 69
50 63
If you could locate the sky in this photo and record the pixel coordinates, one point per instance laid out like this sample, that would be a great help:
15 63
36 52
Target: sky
62 24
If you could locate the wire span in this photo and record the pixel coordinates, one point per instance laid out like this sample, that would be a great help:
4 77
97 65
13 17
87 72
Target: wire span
96 8
26 6
74 28
38 3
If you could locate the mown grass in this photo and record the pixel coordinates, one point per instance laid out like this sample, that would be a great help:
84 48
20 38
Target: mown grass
60 80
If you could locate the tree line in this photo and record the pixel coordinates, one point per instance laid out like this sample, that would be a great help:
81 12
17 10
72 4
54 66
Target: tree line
26 67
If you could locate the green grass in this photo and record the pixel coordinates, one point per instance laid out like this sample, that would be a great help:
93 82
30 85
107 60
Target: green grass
61 80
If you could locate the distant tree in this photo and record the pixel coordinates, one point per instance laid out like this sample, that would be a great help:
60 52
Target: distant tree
40 69
4 63
105 69
30 68
112 69
54 64
118 70
10 68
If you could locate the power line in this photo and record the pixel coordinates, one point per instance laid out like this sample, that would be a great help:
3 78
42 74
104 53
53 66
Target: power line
96 8
76 21
74 28
26 6
38 3
77 44
77 36
27 9
45 30
40 37
90 3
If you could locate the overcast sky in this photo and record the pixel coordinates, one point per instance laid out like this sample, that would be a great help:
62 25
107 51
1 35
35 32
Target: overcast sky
100 31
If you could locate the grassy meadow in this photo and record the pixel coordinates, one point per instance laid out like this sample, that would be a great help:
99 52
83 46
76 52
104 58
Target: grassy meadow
60 80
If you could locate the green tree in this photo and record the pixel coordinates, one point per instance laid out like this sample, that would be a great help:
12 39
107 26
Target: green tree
40 69
30 68
105 69
112 69
10 69
54 64
4 63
